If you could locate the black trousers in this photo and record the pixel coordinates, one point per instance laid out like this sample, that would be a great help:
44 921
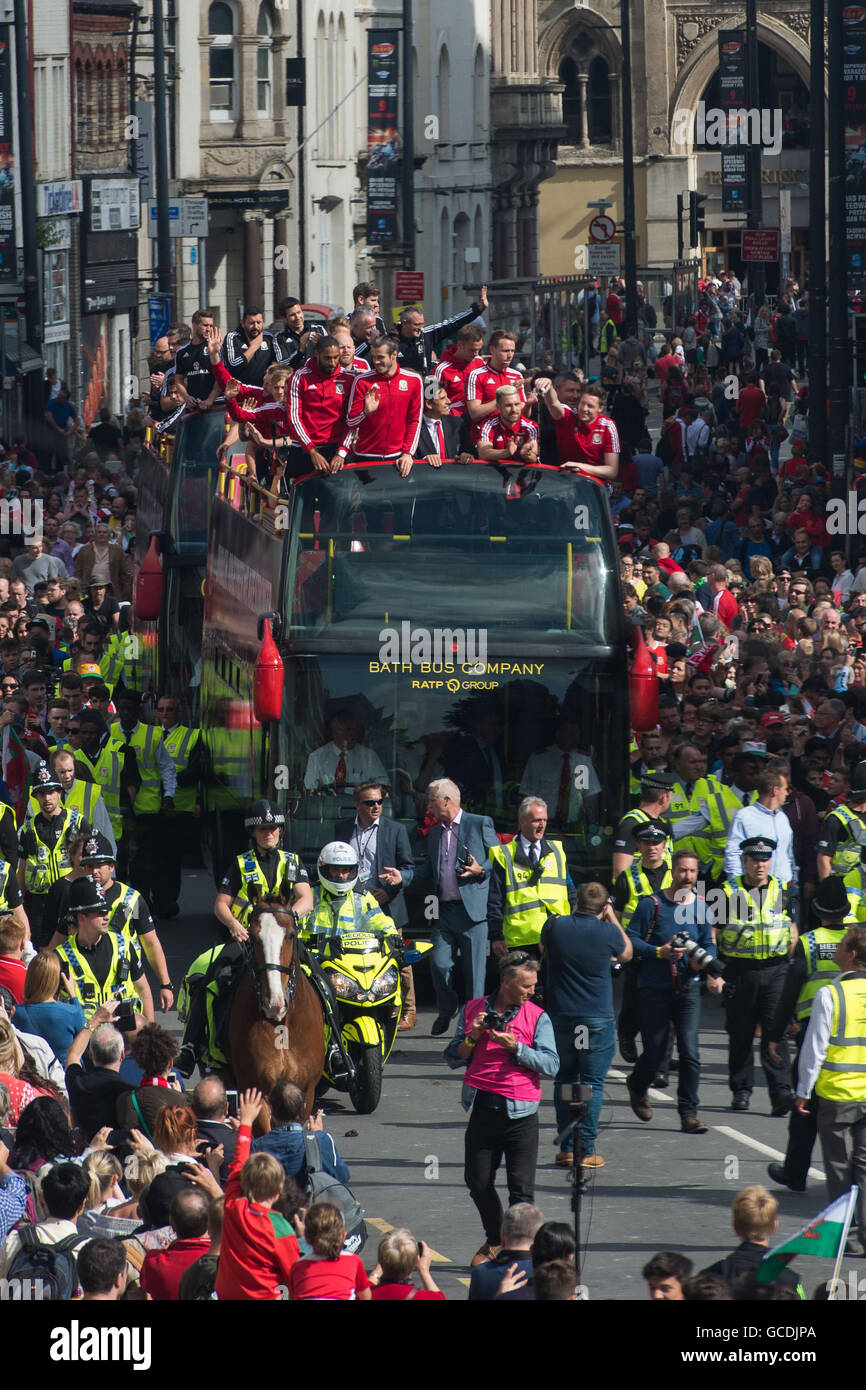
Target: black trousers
802 1129
755 1000
492 1135
628 1024
174 836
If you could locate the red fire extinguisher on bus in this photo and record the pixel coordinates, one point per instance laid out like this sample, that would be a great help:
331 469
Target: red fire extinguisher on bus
643 686
268 679
148 584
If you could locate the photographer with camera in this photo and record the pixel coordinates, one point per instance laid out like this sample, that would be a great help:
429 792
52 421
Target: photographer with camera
673 944
507 1045
578 951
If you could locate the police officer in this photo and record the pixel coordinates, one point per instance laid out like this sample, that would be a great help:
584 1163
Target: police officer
127 913
649 874
101 964
337 904
44 846
833 1062
755 938
843 831
266 868
157 785
529 882
656 791
86 797
116 775
813 964
184 747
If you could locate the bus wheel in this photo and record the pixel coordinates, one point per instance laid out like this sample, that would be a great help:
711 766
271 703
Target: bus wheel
366 1090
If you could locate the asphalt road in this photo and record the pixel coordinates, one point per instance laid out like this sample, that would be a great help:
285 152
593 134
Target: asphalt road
659 1189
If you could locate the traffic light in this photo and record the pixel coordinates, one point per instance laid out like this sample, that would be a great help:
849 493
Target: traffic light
697 218
858 350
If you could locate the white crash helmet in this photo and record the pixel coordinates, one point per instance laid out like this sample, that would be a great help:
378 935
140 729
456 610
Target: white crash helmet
337 855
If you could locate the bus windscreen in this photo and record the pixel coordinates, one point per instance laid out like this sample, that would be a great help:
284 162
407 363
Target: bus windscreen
522 553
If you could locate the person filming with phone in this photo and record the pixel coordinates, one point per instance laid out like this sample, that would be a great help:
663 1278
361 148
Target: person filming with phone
507 1045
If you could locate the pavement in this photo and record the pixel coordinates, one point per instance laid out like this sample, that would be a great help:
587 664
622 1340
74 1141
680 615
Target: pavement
659 1189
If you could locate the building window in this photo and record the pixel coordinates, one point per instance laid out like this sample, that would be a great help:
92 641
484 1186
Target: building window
598 102
443 95
570 101
264 64
223 92
479 103
587 112
55 286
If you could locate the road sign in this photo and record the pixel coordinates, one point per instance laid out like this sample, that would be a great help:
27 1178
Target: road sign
186 217
409 286
602 228
761 245
603 259
159 316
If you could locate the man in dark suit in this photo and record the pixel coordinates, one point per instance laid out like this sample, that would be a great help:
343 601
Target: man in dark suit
386 868
443 435
211 1110
457 861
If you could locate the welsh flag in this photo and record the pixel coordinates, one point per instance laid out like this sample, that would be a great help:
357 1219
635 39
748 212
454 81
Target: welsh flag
701 653
824 1237
15 770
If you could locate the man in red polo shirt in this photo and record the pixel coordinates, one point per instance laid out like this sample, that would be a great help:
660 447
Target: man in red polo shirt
587 441
456 364
751 401
725 606
162 1269
483 382
663 365
508 434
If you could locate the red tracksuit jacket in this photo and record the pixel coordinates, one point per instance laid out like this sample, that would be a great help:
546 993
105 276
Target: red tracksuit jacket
394 428
317 405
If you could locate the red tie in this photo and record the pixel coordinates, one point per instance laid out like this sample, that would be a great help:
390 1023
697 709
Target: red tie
340 774
564 796
441 435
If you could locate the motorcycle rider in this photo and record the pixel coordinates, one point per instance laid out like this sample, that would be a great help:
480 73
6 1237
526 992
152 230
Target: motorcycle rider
268 868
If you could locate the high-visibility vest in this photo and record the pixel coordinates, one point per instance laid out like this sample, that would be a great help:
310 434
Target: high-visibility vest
84 796
179 743
531 897
117 984
7 810
121 911
6 874
639 887
107 772
682 806
114 658
49 864
754 930
252 873
843 1074
820 947
145 739
856 879
335 913
847 855
722 805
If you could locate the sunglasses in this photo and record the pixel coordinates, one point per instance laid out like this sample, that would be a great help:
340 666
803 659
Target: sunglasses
378 802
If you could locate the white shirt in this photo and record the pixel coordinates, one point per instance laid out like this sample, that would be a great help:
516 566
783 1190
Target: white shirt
543 773
774 825
362 765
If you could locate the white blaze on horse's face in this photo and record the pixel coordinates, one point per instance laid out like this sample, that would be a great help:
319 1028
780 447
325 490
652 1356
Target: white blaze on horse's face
272 936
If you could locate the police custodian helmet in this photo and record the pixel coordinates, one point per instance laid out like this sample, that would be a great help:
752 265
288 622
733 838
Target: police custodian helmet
263 813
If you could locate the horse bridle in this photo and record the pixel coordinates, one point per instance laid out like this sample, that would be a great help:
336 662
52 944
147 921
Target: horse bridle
290 971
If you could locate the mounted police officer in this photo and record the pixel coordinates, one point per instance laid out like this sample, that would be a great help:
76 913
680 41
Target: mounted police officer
44 846
101 964
127 913
529 882
813 964
755 938
262 869
843 831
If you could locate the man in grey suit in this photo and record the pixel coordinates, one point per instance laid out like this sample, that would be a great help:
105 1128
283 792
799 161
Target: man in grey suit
458 863
386 868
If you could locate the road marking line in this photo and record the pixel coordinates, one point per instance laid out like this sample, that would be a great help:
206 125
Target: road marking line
762 1148
467 1282
385 1227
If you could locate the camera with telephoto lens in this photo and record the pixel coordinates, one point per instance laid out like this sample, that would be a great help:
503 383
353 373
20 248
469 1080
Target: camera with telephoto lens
697 956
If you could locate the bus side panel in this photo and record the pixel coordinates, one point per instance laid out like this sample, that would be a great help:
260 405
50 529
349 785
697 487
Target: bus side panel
243 579
151 508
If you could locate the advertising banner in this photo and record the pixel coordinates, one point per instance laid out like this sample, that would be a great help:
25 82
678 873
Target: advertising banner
383 136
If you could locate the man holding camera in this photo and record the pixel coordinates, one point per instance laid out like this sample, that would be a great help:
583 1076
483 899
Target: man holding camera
665 930
756 938
507 1045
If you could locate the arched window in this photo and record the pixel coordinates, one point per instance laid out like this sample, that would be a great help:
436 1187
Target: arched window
223 87
461 241
265 64
321 49
330 98
443 95
478 272
570 101
479 104
598 103
343 84
445 246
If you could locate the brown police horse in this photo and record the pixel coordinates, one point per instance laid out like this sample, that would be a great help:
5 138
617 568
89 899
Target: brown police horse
276 1031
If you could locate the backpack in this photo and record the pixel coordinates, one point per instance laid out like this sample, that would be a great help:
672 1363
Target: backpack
53 1266
322 1186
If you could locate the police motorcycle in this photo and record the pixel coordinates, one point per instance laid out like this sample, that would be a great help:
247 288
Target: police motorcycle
360 953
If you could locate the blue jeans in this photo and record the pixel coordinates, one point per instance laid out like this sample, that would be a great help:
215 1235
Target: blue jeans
455 931
587 1065
658 1009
